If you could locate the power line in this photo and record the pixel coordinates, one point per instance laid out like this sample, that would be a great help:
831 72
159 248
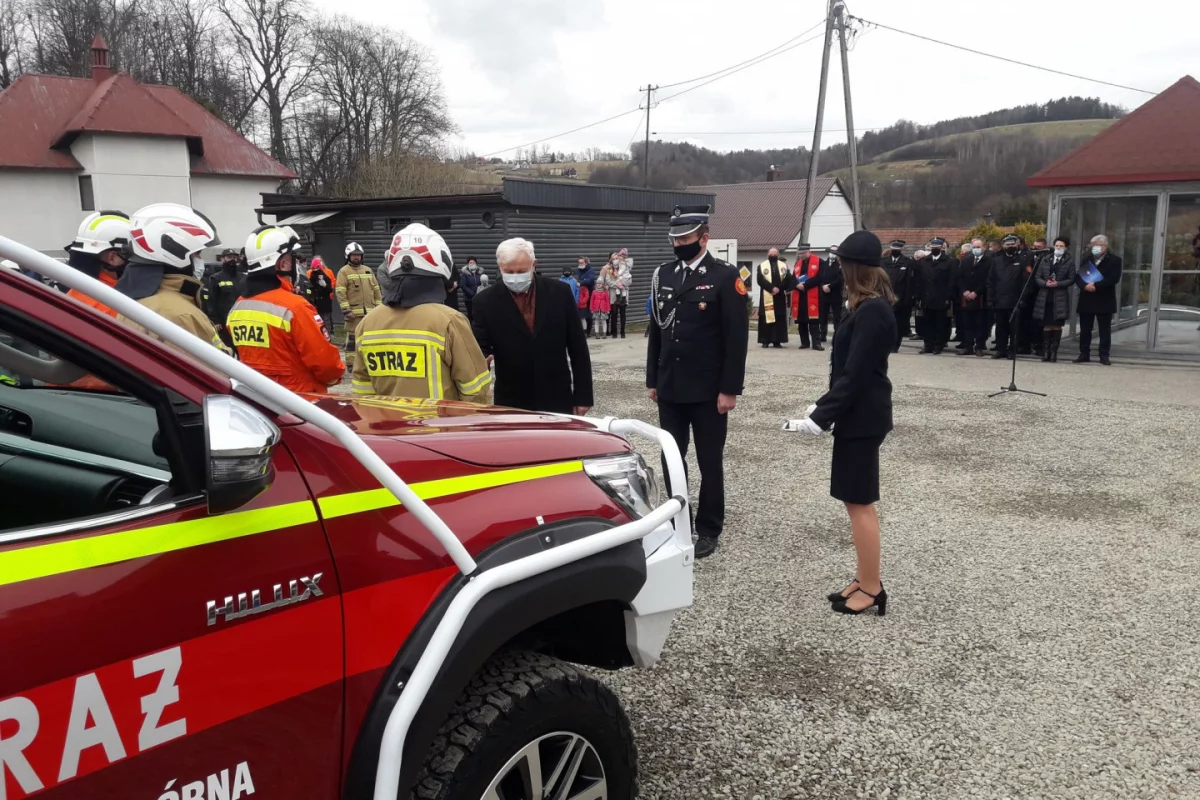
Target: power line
753 133
564 133
746 65
1002 58
740 63
637 128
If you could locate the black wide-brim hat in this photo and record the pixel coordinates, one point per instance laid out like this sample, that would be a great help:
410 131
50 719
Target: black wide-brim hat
861 247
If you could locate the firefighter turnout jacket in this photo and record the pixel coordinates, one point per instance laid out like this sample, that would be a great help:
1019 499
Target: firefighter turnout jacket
178 301
427 351
357 290
109 280
280 334
221 291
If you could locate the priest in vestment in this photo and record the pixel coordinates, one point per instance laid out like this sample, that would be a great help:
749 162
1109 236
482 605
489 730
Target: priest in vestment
774 281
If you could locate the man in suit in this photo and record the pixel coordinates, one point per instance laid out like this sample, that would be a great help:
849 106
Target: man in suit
529 325
833 301
970 288
696 358
934 293
899 269
1097 300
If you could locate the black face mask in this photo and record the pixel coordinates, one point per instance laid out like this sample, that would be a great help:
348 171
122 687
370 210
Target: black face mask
566 273
896 253
773 259
1010 250
937 251
688 252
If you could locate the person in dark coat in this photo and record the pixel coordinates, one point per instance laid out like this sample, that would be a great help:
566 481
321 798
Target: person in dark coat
774 281
471 279
696 358
1030 339
1054 276
452 284
586 277
529 326
221 291
833 300
858 408
1097 300
934 289
970 292
900 271
807 274
1005 282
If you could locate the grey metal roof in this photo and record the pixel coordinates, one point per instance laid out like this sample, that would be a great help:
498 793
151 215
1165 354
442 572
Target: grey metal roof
594 197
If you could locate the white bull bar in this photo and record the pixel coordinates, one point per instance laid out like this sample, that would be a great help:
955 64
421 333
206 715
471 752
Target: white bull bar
259 388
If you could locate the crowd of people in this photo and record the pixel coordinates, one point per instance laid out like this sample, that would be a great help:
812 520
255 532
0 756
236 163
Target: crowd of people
1019 294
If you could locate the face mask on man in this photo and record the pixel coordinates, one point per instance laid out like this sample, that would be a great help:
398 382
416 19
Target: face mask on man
1010 249
1059 251
517 282
1097 250
937 251
197 266
977 251
688 252
773 259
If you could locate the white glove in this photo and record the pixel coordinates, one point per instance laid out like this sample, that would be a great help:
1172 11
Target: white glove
803 426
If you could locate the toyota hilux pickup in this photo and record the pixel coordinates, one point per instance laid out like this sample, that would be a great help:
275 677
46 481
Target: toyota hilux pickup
212 588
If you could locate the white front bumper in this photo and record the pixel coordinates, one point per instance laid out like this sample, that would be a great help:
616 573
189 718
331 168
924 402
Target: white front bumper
668 589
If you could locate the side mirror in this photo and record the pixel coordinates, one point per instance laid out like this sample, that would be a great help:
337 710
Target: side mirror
240 444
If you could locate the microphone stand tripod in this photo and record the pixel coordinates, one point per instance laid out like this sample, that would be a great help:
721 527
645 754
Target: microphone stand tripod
1015 326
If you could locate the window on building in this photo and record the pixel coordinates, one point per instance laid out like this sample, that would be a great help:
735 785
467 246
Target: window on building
439 223
396 223
360 225
87 196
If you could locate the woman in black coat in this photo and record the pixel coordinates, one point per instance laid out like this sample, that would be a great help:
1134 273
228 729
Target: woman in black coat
1054 275
858 408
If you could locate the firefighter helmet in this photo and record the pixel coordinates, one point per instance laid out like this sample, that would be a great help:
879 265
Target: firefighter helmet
418 249
352 248
267 244
100 231
170 234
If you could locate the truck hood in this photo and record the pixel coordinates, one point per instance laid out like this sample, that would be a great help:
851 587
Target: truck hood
489 436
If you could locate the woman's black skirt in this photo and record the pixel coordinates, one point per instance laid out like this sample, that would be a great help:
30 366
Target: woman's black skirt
855 476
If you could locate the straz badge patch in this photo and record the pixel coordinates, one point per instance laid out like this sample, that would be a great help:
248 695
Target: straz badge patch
396 361
740 285
250 334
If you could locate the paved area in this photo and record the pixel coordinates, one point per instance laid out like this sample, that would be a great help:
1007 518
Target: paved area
1042 639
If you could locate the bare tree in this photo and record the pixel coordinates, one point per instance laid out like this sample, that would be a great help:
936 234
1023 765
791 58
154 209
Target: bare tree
269 35
11 31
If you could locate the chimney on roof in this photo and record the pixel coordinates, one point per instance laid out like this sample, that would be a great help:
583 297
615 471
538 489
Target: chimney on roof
100 68
772 173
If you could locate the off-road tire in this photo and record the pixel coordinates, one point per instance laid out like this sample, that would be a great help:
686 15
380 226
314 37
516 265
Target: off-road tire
515 698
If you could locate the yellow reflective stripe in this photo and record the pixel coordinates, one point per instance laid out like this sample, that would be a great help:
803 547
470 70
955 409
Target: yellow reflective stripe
374 499
247 315
399 333
476 385
258 241
96 222
56 558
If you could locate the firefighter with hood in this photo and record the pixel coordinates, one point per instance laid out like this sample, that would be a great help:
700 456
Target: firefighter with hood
275 330
165 267
415 345
357 293
100 250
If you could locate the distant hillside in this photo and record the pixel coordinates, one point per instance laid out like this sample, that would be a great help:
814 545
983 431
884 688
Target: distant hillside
957 178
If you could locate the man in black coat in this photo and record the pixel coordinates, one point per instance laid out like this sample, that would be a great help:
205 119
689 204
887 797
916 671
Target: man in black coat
696 358
1005 281
970 290
528 324
900 271
221 291
934 293
833 300
1097 299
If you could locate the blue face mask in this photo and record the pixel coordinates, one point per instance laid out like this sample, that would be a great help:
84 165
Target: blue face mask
1097 250
977 251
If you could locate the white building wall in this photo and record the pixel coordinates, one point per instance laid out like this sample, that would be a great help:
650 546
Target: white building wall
230 202
40 208
832 222
129 172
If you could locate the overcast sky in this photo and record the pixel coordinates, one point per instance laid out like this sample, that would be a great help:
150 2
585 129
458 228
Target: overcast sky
520 70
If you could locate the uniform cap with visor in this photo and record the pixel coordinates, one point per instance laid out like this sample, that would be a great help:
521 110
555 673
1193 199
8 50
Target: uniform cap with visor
687 220
419 264
1012 238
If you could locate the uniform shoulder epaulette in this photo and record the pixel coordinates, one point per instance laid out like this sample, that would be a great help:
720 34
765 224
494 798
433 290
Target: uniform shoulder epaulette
670 263
725 264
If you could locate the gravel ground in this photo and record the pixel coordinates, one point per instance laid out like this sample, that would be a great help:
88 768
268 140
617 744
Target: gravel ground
1042 639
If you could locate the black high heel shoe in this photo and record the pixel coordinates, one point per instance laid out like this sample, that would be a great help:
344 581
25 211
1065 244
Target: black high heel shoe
880 603
837 597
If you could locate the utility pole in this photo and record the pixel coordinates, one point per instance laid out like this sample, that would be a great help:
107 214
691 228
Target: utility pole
646 147
816 147
844 39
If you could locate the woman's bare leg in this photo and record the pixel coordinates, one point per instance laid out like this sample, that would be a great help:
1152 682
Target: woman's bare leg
864 529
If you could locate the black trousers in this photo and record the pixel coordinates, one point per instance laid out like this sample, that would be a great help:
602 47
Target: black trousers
974 328
1086 322
903 312
1005 331
958 324
919 324
937 329
616 322
810 331
709 427
1031 329
830 307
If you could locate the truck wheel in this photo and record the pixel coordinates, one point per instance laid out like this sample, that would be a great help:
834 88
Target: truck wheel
529 727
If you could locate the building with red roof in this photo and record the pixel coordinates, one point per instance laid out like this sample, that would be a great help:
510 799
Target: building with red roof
73 145
1138 184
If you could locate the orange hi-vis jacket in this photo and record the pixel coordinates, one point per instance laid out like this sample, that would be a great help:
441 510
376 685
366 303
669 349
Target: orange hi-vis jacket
109 280
280 334
813 299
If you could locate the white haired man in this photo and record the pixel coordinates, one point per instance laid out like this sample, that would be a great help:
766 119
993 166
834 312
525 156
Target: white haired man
1097 282
529 326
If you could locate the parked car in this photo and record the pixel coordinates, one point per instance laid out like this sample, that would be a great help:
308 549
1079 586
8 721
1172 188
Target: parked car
213 588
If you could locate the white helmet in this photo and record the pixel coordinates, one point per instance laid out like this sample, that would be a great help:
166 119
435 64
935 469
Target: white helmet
100 231
170 234
6 264
353 247
267 244
416 248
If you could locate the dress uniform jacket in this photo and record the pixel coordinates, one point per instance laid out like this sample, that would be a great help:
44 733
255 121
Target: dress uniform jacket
699 333
281 335
1006 279
900 271
357 290
935 282
178 301
427 351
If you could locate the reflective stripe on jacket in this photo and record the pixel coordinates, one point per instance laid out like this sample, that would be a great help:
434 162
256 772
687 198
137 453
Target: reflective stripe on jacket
427 351
357 290
280 334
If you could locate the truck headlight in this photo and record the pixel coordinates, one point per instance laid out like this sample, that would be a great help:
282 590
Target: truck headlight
627 480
